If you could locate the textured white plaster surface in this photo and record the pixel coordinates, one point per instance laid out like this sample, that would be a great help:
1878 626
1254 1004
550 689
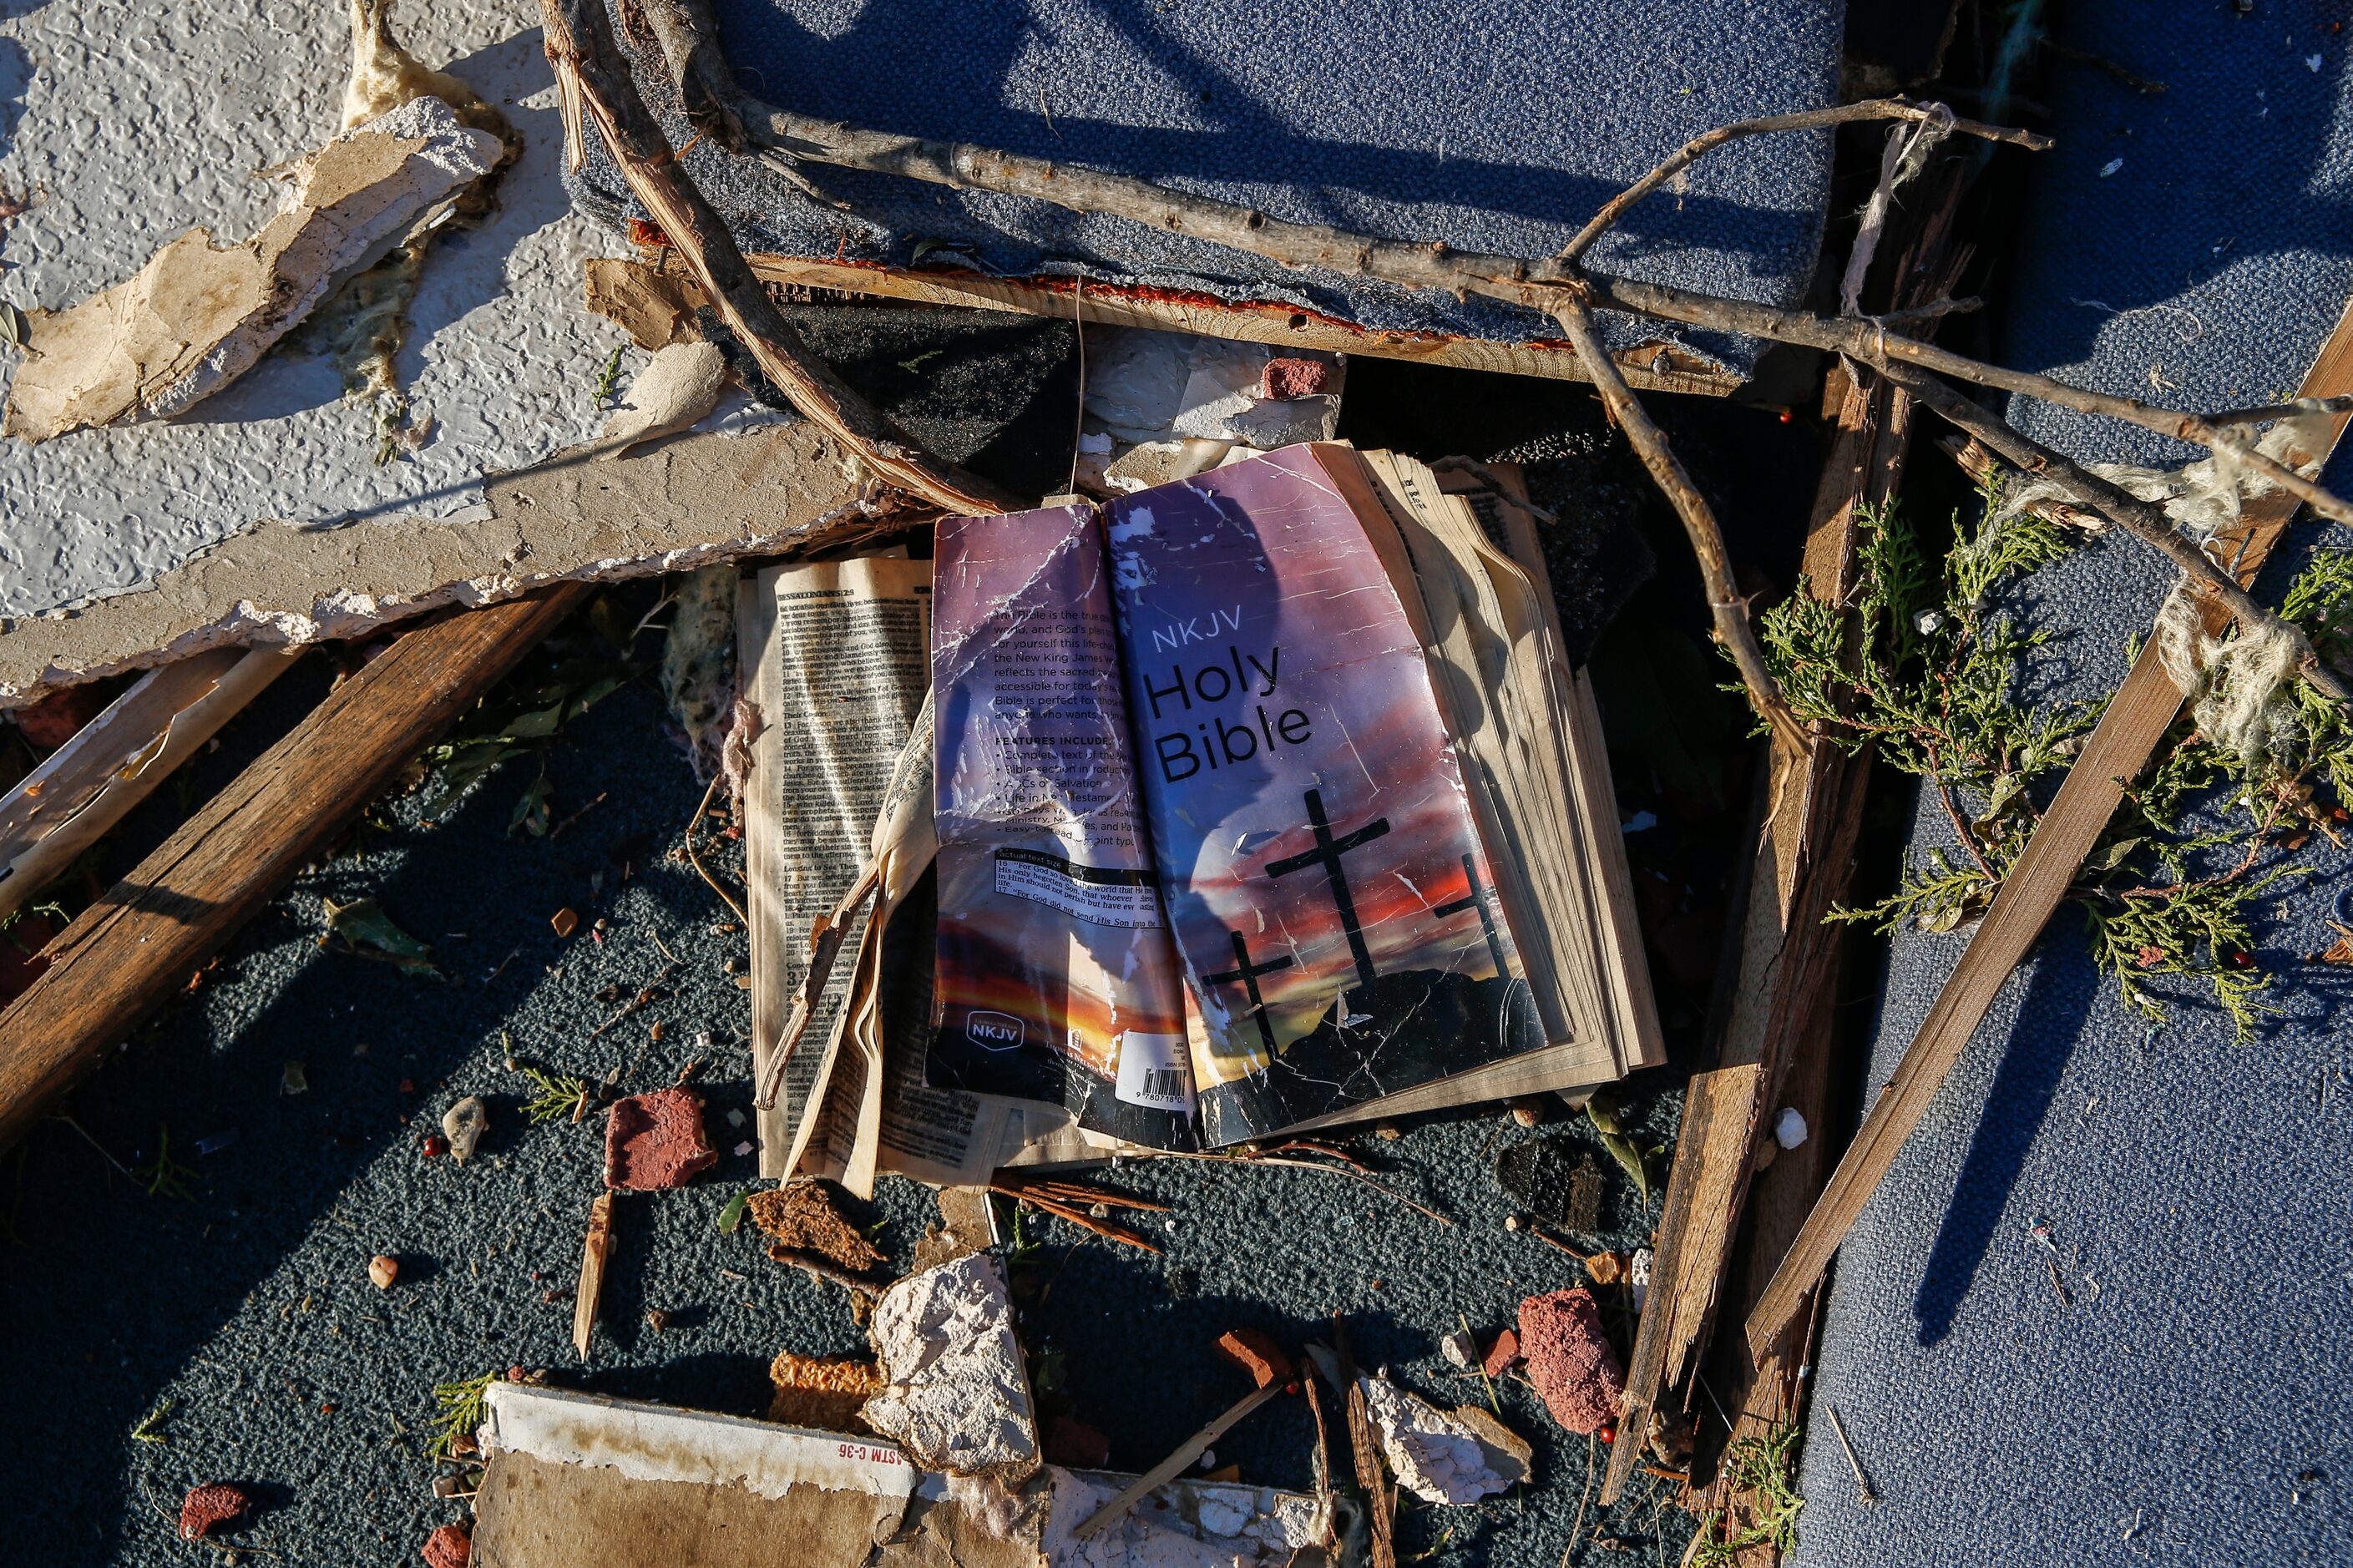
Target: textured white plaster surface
128 123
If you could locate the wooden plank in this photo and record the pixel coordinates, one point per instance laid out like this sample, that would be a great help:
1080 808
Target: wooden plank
139 943
2128 733
1657 367
1803 856
91 782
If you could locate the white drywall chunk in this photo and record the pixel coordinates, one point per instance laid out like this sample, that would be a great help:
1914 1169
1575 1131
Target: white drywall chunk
677 388
957 1396
1439 1455
1185 1524
197 315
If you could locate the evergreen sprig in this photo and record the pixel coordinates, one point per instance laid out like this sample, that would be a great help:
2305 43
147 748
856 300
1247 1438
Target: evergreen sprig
1928 667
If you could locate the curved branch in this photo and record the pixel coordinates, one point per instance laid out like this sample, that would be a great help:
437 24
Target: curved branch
2143 519
593 82
1699 146
1725 603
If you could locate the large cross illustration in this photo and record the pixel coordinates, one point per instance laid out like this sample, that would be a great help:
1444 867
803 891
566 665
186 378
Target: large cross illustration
1477 900
1247 974
1327 854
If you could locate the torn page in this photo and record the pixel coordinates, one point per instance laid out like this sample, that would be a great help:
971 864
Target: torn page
1057 980
836 654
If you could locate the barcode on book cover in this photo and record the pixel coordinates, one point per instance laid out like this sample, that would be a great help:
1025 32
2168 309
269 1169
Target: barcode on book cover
1153 1072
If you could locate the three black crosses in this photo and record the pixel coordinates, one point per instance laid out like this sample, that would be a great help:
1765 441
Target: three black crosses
1327 853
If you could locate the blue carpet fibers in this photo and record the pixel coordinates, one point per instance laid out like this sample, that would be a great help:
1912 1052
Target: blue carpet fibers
2189 1403
1496 126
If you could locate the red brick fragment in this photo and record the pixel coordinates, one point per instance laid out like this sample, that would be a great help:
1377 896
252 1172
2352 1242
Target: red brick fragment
449 1547
208 1506
1256 1355
1504 1354
655 1142
59 717
1074 1445
1570 1359
1287 376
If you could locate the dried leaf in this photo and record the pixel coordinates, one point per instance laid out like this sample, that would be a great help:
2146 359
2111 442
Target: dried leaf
368 931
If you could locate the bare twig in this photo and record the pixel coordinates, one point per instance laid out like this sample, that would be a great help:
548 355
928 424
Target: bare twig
830 1273
1304 1166
1551 286
694 860
2143 519
2291 409
1699 146
1061 1208
826 938
1725 603
594 84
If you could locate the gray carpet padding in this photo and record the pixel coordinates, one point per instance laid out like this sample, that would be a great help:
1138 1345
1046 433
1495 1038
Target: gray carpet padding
1500 126
2189 1403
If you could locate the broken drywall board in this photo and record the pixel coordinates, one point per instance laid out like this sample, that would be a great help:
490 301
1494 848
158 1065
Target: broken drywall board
958 1392
701 498
503 356
203 311
574 1478
1185 1524
1444 1456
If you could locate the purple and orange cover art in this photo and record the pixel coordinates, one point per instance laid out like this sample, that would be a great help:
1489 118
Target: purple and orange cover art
1330 905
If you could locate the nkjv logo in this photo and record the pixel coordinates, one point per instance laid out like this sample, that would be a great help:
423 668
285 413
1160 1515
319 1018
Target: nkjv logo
992 1031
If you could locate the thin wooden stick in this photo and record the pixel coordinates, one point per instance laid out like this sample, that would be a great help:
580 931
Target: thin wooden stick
592 1257
1725 602
1304 1165
1808 120
831 1273
596 84
2143 519
1077 1217
725 897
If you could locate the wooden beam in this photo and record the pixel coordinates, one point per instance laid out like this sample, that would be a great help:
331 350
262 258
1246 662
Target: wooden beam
91 782
136 946
1803 857
2128 733
1656 366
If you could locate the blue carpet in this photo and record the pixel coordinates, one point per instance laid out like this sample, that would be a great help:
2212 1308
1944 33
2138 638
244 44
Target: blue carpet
1496 126
2187 1403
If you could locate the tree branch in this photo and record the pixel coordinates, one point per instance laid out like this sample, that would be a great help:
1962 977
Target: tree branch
1725 603
2142 520
593 80
1699 146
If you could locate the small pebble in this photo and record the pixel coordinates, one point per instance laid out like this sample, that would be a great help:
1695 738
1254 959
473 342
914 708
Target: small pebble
1389 1132
1526 1115
1513 1222
1459 1349
658 1320
1789 1128
447 1485
465 1122
1208 1460
384 1270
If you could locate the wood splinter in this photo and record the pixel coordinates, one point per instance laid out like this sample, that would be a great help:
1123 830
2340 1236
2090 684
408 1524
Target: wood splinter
592 1272
1269 1367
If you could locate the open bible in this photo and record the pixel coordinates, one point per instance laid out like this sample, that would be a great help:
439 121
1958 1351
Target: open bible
1263 800
1259 801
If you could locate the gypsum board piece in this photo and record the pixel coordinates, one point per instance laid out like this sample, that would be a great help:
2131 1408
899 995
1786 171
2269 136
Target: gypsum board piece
2136 717
117 760
137 945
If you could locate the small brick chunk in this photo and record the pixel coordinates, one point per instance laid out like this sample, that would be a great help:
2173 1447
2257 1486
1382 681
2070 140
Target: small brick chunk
1288 377
1075 1446
803 1218
655 1142
1570 1360
210 1506
1502 1355
821 1392
1257 1355
449 1547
